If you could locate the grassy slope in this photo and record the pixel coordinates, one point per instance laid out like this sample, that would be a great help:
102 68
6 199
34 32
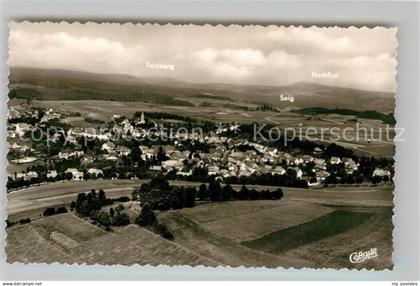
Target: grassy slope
26 245
136 245
225 251
320 228
333 239
232 219
32 243
334 251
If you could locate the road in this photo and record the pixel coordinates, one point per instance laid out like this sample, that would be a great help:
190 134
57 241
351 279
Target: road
61 193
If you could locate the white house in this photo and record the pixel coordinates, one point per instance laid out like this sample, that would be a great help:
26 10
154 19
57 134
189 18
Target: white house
350 165
213 170
65 155
278 170
14 146
21 176
322 175
298 161
109 146
298 171
11 134
381 173
171 164
313 184
76 174
24 160
147 153
182 173
111 158
335 160
123 151
307 158
317 150
31 175
320 163
22 128
52 174
95 172
155 168
13 113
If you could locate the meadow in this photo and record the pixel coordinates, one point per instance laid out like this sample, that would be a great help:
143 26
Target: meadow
287 233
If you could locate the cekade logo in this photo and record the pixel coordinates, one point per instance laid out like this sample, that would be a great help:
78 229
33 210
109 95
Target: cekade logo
359 257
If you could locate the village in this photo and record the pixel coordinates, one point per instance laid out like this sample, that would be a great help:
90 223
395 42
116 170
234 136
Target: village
126 151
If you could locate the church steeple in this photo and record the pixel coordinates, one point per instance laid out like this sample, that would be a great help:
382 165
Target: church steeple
142 121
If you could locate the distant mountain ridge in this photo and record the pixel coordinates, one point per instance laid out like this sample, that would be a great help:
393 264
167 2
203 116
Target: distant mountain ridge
53 84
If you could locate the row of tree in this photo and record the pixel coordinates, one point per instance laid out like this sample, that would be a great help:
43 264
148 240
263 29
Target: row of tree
21 221
215 192
54 211
147 218
114 217
160 195
90 205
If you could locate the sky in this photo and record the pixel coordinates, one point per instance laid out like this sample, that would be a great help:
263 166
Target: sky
361 58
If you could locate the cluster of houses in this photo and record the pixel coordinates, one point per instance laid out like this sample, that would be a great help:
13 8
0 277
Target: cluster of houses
225 162
73 173
227 158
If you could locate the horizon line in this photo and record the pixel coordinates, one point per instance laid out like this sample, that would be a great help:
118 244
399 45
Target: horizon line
200 83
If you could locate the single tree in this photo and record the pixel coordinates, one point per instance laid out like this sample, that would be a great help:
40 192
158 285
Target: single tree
189 197
104 219
214 190
120 219
202 192
147 217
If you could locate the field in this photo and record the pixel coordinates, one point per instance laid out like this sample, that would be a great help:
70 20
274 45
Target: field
232 219
298 231
374 232
292 240
26 245
59 85
365 138
67 239
69 225
223 250
31 202
136 245
328 225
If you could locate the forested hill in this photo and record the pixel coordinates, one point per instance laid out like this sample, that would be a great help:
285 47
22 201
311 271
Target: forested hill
48 84
367 114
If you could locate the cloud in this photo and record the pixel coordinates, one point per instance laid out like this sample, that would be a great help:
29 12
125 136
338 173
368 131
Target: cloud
234 64
311 40
242 64
61 50
376 72
364 58
282 59
333 41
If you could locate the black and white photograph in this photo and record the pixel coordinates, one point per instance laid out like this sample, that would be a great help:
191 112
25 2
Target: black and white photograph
201 145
